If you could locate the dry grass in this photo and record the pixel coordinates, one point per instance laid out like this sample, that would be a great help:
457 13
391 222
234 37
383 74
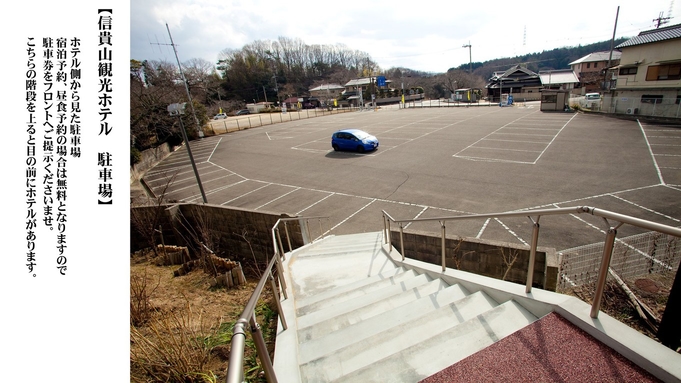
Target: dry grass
616 303
181 326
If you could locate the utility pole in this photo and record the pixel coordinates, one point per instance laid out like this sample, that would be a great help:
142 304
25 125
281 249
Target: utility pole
470 57
186 87
178 110
612 44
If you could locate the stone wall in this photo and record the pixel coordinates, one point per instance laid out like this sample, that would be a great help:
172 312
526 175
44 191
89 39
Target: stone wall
482 257
232 233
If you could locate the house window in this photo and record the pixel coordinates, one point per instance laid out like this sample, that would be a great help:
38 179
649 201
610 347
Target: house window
588 65
678 100
664 72
651 99
595 65
628 71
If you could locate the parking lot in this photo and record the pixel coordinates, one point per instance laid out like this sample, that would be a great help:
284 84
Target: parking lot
436 162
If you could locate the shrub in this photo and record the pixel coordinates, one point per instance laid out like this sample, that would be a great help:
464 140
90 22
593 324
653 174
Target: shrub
135 156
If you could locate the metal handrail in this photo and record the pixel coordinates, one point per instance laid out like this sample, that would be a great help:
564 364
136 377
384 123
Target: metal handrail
607 250
235 369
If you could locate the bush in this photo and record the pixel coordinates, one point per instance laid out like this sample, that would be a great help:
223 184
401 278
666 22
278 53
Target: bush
135 156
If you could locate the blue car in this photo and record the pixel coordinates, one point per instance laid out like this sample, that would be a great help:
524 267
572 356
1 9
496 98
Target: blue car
353 139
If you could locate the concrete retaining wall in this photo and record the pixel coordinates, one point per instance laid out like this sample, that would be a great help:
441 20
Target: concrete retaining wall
149 159
232 233
482 257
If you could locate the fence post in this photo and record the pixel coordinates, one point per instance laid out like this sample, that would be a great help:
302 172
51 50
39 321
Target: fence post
603 271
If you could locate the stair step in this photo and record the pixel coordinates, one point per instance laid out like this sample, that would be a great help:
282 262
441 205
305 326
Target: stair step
428 315
341 244
337 271
352 290
354 311
433 354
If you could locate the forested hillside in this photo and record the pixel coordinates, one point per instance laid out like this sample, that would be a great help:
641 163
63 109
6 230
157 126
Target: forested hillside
558 58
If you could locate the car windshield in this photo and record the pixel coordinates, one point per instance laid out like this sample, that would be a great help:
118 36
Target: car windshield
361 135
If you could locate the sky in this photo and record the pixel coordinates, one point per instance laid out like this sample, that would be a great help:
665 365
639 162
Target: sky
420 35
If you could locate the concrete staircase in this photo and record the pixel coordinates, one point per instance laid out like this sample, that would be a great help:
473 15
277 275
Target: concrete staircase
355 315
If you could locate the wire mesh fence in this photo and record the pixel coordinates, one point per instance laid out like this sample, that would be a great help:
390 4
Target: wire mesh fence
646 105
638 255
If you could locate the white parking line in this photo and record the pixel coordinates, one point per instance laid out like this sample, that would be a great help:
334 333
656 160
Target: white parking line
652 155
280 197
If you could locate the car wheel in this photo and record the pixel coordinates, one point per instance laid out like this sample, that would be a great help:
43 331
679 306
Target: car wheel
335 147
360 149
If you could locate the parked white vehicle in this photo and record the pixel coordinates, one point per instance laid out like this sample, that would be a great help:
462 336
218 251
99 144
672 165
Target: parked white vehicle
590 101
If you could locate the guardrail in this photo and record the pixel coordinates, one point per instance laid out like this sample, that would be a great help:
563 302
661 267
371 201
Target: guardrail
235 369
538 213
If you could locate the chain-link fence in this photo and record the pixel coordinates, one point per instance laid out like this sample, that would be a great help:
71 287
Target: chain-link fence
638 255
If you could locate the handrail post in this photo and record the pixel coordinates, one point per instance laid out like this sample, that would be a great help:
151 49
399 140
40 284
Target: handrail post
444 260
261 348
603 271
307 227
533 256
235 372
321 231
281 246
389 237
402 241
288 236
280 275
280 310
385 235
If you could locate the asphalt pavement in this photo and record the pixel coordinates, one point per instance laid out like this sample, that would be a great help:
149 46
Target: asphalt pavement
435 162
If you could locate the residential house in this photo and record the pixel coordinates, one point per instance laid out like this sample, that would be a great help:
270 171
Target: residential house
520 82
561 79
648 79
327 91
355 90
358 92
590 69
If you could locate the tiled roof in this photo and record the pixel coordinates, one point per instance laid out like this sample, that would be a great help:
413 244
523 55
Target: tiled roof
654 35
598 56
565 76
